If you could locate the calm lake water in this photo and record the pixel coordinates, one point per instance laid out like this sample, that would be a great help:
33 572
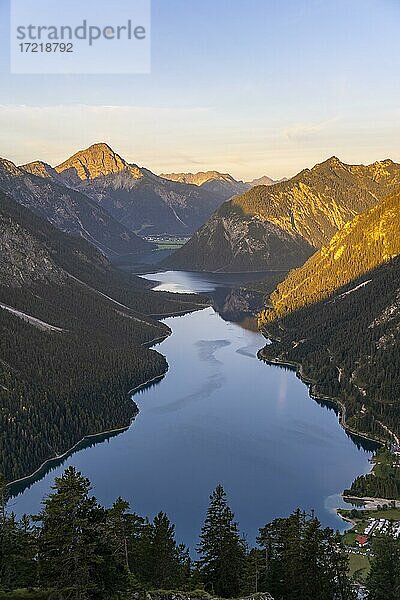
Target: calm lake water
219 415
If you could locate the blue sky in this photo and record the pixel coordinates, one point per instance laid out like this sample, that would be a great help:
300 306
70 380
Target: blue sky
249 87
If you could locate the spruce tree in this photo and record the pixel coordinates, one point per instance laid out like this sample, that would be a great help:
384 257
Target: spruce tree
303 561
222 551
69 539
384 579
166 557
118 531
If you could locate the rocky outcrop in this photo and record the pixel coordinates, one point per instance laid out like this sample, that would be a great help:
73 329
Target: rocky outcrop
42 169
24 260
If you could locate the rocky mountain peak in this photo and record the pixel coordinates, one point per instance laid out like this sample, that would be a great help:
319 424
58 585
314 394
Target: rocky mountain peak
99 160
40 169
8 168
330 163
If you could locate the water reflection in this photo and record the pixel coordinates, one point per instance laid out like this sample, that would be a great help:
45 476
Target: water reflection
219 415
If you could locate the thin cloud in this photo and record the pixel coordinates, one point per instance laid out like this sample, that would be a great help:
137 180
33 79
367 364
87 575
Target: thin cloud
303 132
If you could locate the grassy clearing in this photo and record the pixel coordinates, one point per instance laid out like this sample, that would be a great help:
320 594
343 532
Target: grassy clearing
391 514
359 566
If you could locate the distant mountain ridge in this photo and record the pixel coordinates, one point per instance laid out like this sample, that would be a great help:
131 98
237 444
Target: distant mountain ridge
265 180
42 169
280 226
38 187
200 178
222 184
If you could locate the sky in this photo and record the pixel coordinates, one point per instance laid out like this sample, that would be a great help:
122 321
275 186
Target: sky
249 87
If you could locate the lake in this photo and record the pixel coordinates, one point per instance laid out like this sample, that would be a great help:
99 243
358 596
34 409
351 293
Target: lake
219 416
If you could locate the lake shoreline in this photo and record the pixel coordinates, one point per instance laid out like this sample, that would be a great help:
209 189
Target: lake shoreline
91 436
208 351
341 408
310 383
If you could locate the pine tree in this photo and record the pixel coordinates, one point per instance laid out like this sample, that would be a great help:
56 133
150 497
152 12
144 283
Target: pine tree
222 551
303 561
69 538
384 579
166 568
118 531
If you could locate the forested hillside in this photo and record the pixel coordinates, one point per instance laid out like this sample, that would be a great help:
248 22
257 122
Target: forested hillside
73 340
280 226
364 243
348 347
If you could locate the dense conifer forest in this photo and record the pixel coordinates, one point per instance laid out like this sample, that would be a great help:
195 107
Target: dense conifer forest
69 375
348 348
78 549
382 482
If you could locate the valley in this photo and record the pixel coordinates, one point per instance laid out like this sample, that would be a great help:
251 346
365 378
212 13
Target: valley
219 414
140 376
200 301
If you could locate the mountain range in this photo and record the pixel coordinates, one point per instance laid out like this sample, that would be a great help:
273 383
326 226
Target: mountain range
37 187
114 204
281 226
136 197
221 184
